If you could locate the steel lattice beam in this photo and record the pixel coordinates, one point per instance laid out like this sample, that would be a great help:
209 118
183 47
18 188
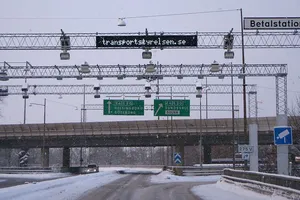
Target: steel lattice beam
281 95
206 40
21 71
192 107
138 89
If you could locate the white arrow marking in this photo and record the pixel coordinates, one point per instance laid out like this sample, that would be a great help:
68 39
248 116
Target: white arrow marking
159 107
109 103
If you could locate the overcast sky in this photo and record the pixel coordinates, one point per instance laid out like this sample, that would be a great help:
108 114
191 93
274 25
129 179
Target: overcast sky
12 107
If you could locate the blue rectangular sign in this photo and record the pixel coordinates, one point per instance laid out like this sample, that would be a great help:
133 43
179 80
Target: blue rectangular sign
283 135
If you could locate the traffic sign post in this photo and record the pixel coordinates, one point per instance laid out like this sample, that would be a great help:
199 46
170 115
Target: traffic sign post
171 107
283 135
123 107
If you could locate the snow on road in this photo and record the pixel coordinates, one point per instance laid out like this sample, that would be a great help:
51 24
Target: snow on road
227 191
68 188
168 177
132 169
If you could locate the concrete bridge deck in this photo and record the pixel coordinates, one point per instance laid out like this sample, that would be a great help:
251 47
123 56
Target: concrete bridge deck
132 133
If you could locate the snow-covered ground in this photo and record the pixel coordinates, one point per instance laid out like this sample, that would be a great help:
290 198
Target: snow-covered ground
68 188
38 176
131 169
168 177
228 191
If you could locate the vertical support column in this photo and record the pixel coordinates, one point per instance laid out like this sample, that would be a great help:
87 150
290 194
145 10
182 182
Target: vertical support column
179 148
66 157
281 120
207 153
45 157
253 141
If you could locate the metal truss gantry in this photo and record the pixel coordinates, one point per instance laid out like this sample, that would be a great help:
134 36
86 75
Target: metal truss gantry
123 89
26 70
206 40
137 89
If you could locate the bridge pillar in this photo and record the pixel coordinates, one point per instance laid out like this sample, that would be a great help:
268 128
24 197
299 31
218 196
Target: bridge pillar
66 157
207 153
179 148
45 157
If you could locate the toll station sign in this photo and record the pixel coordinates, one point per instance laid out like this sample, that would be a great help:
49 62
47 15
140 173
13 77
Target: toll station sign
269 23
140 41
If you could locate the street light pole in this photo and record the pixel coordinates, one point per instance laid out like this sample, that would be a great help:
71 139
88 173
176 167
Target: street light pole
232 111
200 142
44 134
206 99
244 78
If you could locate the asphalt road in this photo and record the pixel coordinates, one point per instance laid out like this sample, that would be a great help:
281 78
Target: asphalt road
137 187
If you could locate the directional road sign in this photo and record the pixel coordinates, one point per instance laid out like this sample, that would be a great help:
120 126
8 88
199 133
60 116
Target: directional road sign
123 107
283 135
245 148
177 158
171 107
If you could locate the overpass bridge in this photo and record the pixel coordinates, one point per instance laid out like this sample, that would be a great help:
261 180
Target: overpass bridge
131 133
178 133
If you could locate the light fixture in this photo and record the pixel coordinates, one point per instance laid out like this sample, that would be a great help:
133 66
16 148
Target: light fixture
228 54
150 68
215 67
180 76
65 46
221 76
199 89
147 94
121 22
147 88
147 54
241 76
139 77
60 97
97 88
120 77
65 55
85 68
59 78
4 91
200 76
25 90
79 77
3 76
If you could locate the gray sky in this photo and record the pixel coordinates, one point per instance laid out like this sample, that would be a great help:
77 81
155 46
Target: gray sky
12 108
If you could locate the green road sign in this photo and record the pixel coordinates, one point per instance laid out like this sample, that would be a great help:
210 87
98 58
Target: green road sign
171 107
123 107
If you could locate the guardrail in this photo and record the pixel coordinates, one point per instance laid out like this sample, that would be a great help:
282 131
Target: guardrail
285 185
205 170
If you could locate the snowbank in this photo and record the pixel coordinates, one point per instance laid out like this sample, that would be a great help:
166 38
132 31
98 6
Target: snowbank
227 191
59 189
40 176
168 177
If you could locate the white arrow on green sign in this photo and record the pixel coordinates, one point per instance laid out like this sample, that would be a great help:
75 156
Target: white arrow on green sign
123 107
171 107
